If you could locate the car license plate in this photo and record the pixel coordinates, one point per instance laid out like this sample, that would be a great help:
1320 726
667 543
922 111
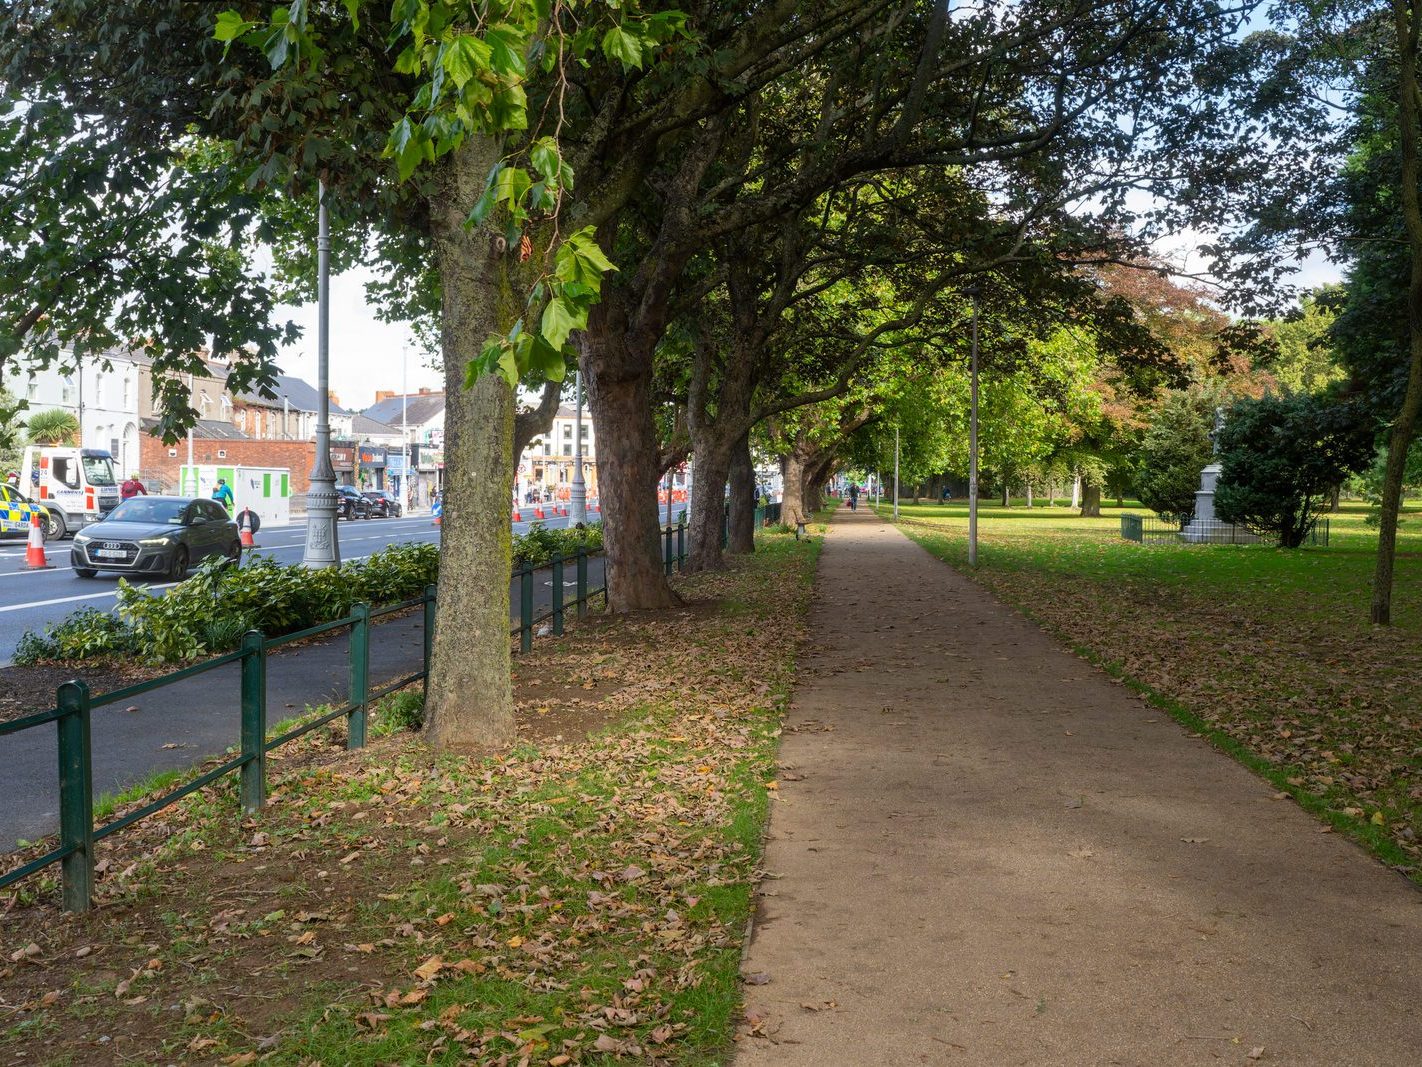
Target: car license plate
112 553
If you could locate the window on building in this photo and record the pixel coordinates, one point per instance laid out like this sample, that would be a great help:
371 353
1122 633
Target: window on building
32 393
66 391
547 448
114 447
127 391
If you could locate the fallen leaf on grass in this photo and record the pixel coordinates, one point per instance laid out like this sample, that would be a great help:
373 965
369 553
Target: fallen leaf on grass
427 970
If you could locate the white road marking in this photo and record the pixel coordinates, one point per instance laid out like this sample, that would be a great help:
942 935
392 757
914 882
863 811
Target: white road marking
72 599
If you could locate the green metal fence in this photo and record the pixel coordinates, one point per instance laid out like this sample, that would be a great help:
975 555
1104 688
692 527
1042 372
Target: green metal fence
75 704
1152 529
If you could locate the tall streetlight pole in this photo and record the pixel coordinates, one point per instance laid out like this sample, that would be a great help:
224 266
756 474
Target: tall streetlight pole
578 499
322 547
896 474
972 291
405 477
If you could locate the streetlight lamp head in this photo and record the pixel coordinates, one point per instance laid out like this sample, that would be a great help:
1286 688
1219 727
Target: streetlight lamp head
972 292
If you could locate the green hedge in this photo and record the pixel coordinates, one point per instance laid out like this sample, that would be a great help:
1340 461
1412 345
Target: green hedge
209 613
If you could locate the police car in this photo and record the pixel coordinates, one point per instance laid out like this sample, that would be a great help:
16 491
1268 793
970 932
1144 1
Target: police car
17 512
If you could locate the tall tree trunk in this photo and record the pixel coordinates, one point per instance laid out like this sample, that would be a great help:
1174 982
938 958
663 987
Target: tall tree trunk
744 499
1090 500
1404 428
619 379
1006 495
1029 494
711 457
792 500
470 700
1076 491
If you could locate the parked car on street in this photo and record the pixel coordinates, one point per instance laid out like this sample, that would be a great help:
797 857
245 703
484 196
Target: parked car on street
351 504
383 503
159 536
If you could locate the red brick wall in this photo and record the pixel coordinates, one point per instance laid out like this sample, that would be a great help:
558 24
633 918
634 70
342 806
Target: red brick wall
156 465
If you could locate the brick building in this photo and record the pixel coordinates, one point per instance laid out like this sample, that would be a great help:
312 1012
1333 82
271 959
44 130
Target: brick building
215 442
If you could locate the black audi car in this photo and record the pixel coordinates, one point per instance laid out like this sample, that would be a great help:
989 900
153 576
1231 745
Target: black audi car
156 536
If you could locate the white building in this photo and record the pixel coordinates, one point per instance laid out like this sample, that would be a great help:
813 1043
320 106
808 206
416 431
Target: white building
545 469
103 396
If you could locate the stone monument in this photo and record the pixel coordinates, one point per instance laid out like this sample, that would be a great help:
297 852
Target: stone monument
1205 527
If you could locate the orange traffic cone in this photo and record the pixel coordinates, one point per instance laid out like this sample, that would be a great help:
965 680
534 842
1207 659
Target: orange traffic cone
516 517
34 551
244 529
538 513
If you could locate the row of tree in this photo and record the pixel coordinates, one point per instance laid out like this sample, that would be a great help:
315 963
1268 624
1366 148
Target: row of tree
735 220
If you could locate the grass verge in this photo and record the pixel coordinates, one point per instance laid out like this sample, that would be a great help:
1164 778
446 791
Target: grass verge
581 898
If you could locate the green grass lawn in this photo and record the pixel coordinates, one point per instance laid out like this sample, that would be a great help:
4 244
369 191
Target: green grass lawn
1268 651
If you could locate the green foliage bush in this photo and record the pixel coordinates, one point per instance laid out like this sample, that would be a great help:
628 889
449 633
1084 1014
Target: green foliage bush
1282 459
404 710
536 547
1174 450
209 613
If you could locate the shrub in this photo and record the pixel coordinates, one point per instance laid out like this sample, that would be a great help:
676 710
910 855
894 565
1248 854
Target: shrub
83 635
536 547
1174 450
220 602
1282 457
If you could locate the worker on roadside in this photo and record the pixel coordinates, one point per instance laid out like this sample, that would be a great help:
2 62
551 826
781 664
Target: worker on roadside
131 488
223 494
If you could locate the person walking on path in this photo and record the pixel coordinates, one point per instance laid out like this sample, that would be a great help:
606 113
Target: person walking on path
988 852
131 488
223 494
853 496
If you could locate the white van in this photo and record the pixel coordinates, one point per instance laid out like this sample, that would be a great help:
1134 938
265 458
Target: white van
77 485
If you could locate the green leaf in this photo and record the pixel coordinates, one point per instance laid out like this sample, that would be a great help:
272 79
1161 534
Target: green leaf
508 110
353 10
623 46
506 45
561 318
230 26
544 156
463 58
547 362
510 185
508 367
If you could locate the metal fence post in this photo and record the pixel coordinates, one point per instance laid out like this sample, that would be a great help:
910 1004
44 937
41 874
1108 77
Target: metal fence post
726 526
582 566
681 543
429 634
558 593
525 609
360 677
667 550
76 796
254 721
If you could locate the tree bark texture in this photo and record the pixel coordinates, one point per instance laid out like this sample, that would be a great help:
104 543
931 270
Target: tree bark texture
470 700
1404 428
1090 500
618 374
744 499
711 459
792 501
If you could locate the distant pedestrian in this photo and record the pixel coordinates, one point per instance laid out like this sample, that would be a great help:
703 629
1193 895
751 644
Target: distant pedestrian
131 488
853 496
223 494
946 494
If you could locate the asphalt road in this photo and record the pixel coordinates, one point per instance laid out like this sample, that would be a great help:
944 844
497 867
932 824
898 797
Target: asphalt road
31 600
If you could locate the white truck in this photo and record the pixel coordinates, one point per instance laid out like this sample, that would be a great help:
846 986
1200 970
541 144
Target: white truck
75 484
266 490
